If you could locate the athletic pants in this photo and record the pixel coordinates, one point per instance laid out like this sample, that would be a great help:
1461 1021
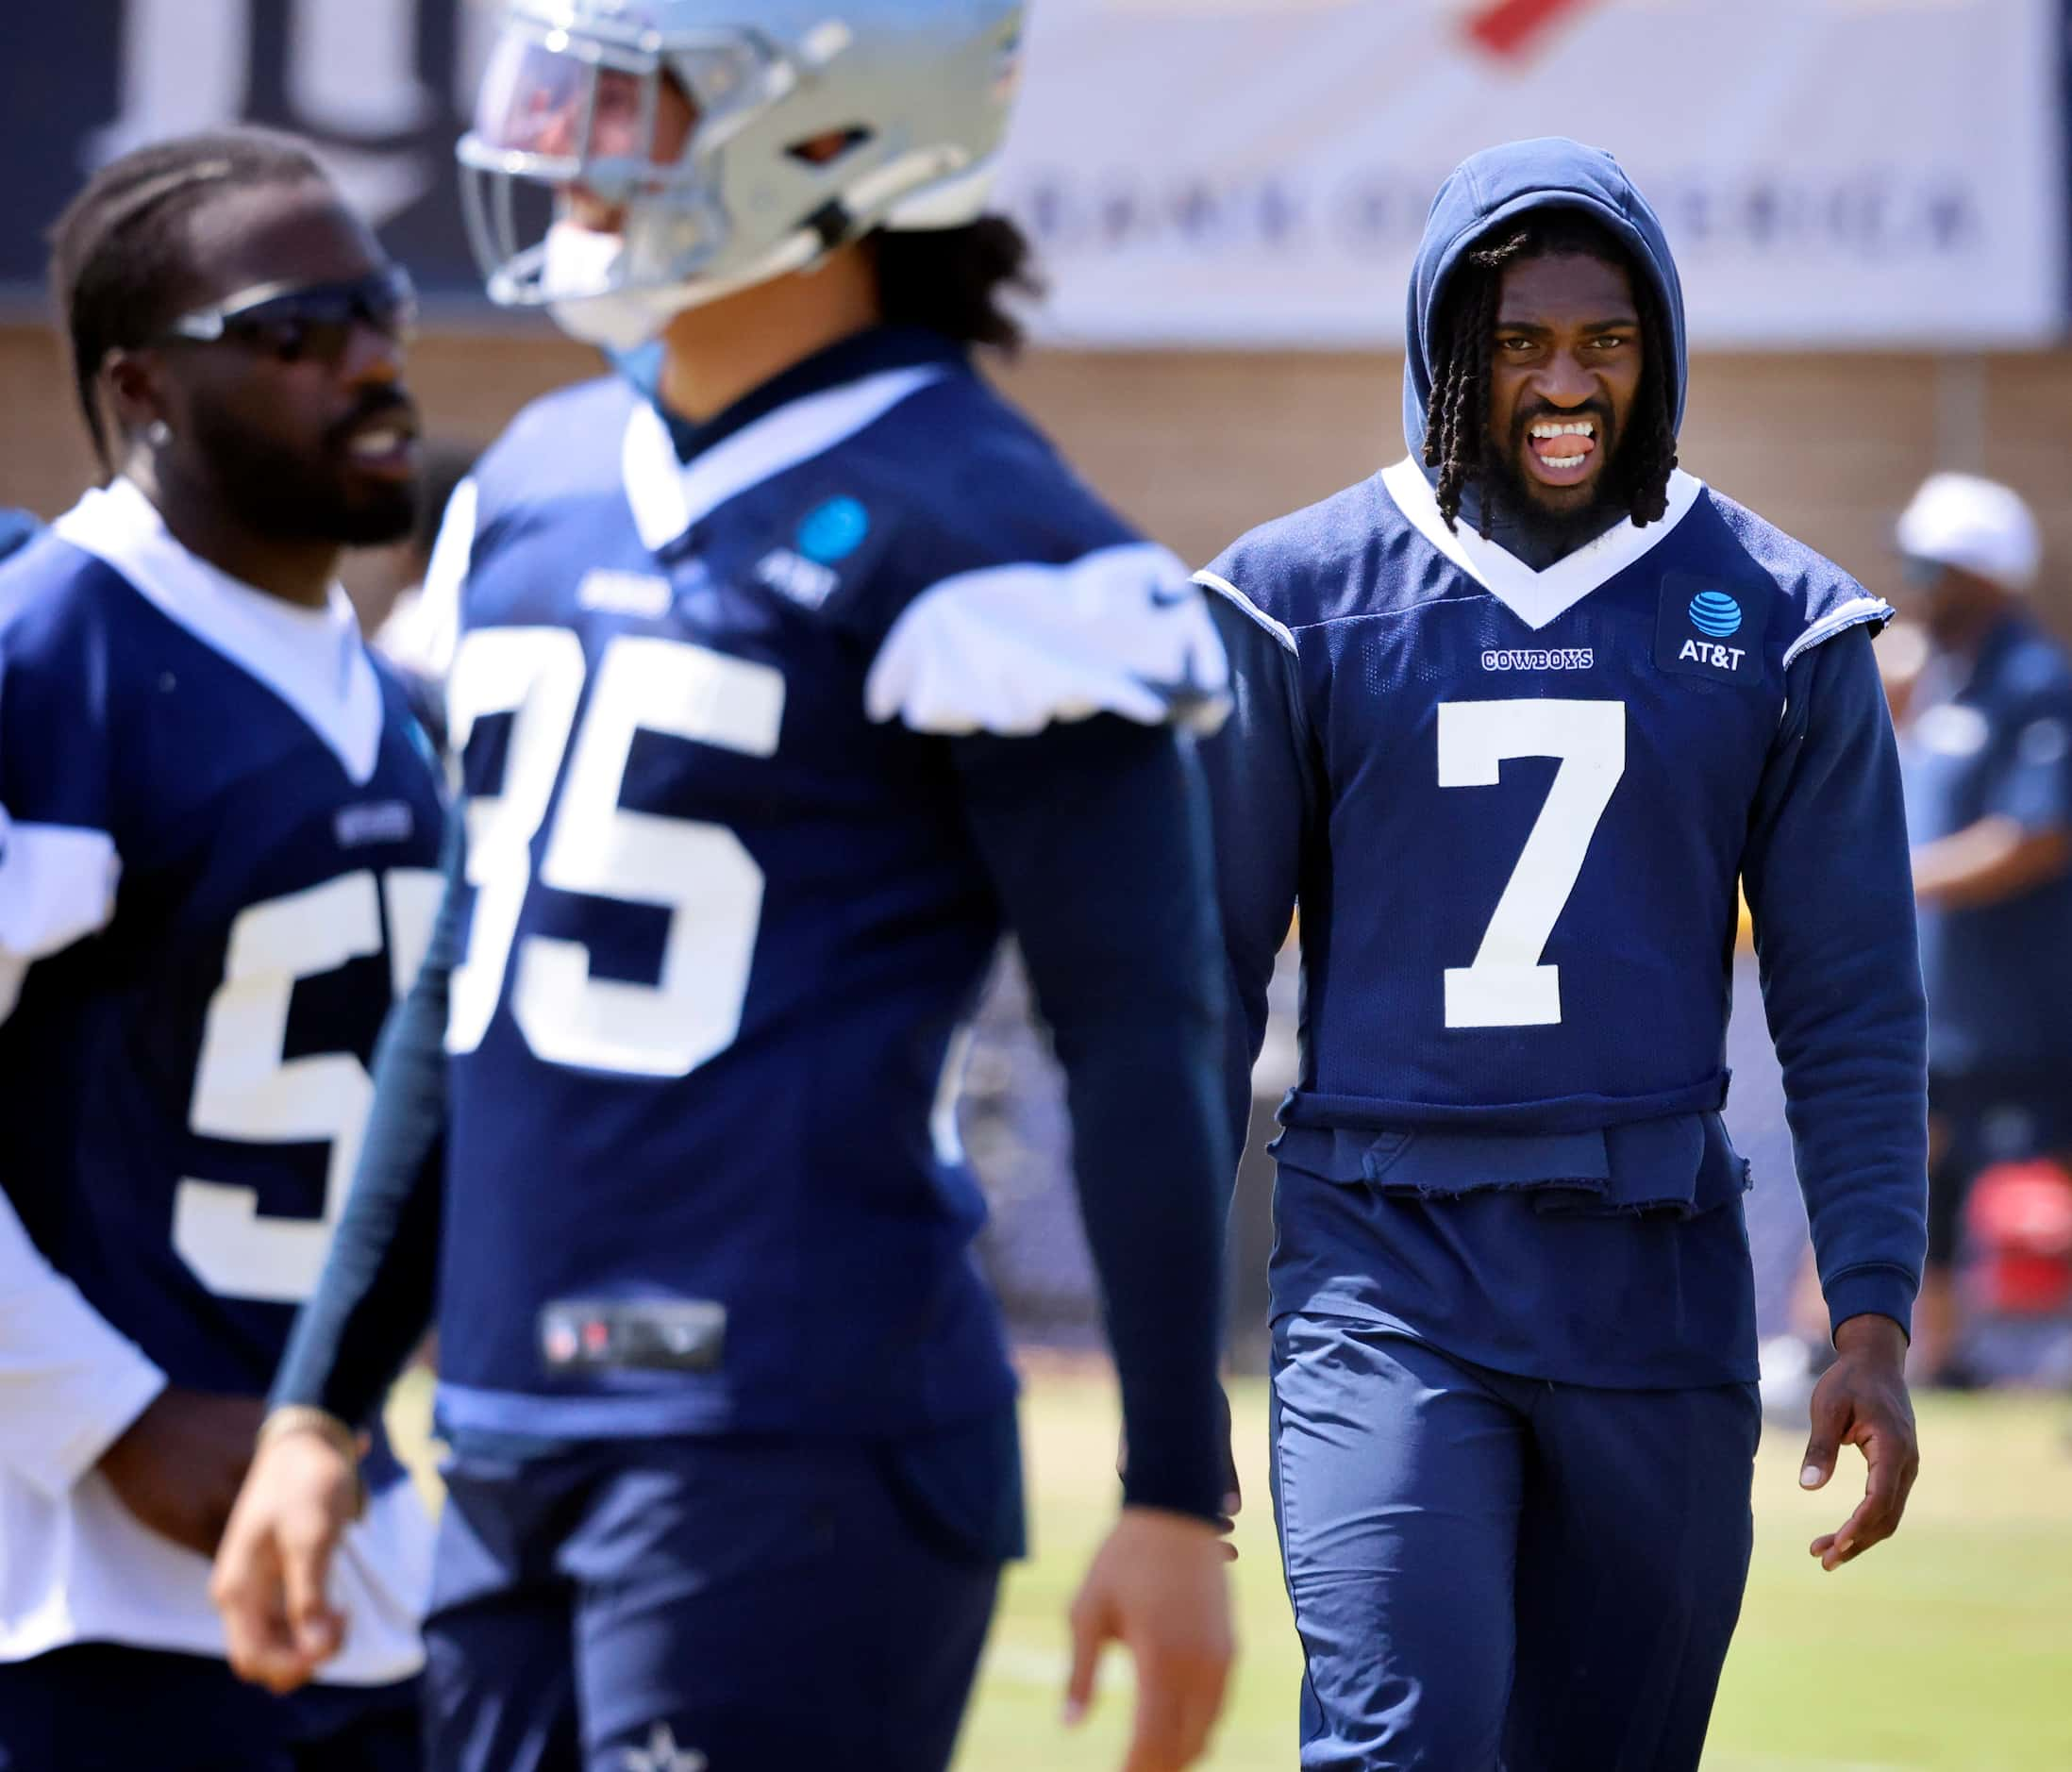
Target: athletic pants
1495 1572
698 1606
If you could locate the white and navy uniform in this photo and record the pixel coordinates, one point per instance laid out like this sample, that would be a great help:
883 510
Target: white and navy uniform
219 826
1513 1310
767 730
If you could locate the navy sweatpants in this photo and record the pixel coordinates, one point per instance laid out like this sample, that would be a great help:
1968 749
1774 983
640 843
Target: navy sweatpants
1490 1571
698 1606
101 1707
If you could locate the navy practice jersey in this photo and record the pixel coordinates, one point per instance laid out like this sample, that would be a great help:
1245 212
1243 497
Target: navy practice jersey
1551 952
727 914
220 825
1514 807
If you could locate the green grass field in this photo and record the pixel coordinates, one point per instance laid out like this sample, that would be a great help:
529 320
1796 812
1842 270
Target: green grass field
1949 1648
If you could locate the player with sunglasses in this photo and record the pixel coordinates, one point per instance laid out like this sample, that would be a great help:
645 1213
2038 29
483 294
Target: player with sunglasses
218 831
308 321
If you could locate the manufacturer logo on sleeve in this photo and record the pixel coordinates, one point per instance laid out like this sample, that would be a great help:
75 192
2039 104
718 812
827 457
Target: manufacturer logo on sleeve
1705 630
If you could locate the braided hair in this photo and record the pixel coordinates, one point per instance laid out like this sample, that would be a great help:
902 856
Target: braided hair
118 260
1457 438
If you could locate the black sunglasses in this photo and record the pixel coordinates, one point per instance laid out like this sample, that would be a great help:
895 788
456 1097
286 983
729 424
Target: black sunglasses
313 322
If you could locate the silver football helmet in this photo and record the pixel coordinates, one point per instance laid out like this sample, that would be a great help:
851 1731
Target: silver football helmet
723 142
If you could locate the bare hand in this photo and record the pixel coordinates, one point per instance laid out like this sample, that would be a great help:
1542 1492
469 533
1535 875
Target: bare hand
177 1466
1862 1401
1157 1587
272 1572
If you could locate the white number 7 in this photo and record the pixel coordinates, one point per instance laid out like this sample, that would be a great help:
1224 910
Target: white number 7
1507 987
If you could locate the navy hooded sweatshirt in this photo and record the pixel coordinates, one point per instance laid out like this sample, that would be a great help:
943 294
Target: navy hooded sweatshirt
1513 807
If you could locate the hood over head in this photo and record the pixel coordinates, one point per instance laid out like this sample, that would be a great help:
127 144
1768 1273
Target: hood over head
1499 185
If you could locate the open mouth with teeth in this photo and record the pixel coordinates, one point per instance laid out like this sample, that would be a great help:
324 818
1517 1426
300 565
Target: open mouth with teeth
1561 451
387 447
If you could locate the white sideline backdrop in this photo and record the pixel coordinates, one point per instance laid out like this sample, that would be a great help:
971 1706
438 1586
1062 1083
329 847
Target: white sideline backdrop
1256 172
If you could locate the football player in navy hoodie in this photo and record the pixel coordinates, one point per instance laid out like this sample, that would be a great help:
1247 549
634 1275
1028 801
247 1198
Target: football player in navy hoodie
1516 716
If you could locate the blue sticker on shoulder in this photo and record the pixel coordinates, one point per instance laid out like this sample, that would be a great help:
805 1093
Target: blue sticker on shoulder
833 531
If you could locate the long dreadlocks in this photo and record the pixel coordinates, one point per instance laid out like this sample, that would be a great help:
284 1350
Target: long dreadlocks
1457 438
118 259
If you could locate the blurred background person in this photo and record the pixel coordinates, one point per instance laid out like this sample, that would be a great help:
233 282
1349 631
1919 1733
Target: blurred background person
1987 754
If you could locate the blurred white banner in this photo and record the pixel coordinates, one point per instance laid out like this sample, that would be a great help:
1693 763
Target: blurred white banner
1257 172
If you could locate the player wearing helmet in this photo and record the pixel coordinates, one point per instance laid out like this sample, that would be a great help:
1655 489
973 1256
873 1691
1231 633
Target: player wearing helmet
793 666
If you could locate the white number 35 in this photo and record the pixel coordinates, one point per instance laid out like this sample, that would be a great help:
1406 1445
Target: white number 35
699 873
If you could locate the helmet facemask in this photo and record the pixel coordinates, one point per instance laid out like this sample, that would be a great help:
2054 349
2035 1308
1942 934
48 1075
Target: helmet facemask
681 164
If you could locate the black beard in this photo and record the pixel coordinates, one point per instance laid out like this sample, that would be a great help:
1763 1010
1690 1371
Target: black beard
1549 535
288 497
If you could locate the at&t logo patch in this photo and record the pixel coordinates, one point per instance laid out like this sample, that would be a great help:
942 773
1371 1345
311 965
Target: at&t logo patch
1705 630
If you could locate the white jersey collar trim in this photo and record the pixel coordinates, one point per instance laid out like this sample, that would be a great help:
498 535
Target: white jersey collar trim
668 495
313 659
1535 597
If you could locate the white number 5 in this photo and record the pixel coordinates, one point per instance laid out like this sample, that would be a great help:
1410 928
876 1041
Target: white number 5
1505 986
247 1090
